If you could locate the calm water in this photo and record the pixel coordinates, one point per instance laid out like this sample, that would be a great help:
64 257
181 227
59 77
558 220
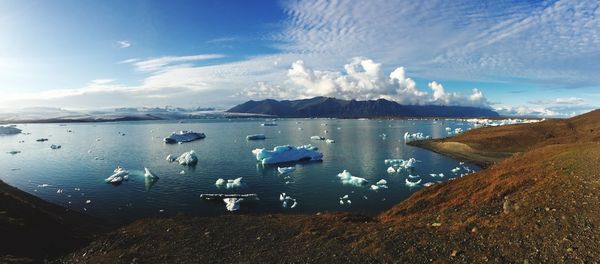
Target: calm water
224 153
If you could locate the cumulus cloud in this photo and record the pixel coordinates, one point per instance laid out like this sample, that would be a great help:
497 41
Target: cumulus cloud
362 79
560 101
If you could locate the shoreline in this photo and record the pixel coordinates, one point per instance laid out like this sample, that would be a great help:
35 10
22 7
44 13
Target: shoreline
461 151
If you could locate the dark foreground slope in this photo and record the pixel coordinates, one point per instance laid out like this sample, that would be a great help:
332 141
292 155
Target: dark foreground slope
536 206
332 107
32 229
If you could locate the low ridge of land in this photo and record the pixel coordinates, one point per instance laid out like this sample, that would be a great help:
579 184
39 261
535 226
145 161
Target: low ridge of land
536 202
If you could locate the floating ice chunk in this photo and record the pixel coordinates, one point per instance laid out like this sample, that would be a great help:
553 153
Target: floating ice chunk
317 138
455 170
14 152
188 158
341 201
232 204
413 176
287 153
285 170
412 184
256 137
345 200
381 182
287 201
119 174
54 146
229 184
41 139
441 175
171 158
458 130
347 178
149 174
182 172
330 141
98 139
88 201
391 170
183 136
269 124
59 191
345 197
9 130
408 137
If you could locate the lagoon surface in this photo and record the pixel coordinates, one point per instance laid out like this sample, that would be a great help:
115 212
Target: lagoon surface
91 151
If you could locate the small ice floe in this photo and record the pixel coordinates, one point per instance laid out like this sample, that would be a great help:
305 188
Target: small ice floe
285 170
287 153
88 201
182 172
317 138
455 170
411 183
345 200
229 184
9 130
188 158
41 139
413 176
171 158
441 175
44 185
232 204
256 137
119 174
458 130
77 189
98 139
59 191
287 201
98 158
329 141
391 169
149 174
183 136
269 124
448 129
381 184
428 184
14 152
54 146
408 137
400 163
347 178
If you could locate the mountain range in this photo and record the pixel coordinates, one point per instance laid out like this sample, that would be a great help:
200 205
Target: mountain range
338 108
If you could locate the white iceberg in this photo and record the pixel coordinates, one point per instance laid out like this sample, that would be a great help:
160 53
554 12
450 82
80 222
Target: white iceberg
391 170
347 178
171 158
287 201
285 170
317 138
183 136
412 184
330 141
232 204
400 163
287 153
413 176
9 130
269 124
188 158
381 184
149 174
441 175
456 170
229 184
408 137
345 200
429 184
119 174
256 137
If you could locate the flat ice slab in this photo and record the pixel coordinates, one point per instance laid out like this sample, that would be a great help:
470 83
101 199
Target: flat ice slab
287 153
183 136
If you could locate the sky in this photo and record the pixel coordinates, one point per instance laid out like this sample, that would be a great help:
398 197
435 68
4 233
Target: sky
517 57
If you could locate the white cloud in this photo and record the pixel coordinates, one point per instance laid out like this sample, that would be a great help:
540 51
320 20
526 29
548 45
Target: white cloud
123 44
156 64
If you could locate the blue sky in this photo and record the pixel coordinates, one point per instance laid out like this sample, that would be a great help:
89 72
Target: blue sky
519 57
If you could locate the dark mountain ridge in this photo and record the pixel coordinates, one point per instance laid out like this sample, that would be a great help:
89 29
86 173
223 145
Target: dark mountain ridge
332 107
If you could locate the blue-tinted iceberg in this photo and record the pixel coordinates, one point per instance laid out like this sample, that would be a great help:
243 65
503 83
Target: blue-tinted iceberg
398 164
256 137
9 130
287 153
183 136
347 178
287 201
188 158
149 174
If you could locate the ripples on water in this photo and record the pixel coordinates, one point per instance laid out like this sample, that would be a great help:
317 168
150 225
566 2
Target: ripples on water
91 152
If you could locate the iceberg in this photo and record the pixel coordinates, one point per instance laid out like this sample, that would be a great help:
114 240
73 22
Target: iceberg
14 152
188 158
391 170
381 182
412 184
408 137
329 141
9 130
429 184
171 158
256 137
456 170
400 163
269 124
119 174
229 184
287 153
183 136
41 139
441 175
347 178
149 174
413 176
317 138
232 204
54 146
285 170
287 201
